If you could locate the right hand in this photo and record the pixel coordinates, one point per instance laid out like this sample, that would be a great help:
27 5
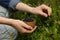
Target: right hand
22 27
40 10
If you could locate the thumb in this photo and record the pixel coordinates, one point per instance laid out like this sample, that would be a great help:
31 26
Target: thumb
43 14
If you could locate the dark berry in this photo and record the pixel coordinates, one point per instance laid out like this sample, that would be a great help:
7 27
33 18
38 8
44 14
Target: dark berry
28 19
45 11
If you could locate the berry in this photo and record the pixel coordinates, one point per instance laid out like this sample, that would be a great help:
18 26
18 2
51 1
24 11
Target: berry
45 11
28 19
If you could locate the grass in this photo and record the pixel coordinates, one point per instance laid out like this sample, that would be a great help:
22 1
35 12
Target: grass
48 29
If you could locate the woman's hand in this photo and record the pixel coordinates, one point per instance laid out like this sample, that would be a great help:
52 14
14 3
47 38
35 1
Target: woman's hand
34 10
40 10
18 24
22 27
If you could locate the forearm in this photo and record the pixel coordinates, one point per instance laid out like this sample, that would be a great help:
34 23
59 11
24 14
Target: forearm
6 21
10 22
24 7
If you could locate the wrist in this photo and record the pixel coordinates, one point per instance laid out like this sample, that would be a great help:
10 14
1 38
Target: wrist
14 22
11 22
31 10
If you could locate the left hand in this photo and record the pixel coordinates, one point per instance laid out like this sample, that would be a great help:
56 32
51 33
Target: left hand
39 10
23 27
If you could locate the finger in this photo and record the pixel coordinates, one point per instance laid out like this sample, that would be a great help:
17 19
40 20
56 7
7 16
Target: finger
23 30
43 14
48 9
30 31
27 26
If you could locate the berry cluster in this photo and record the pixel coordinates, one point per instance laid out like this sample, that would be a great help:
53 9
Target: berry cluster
28 20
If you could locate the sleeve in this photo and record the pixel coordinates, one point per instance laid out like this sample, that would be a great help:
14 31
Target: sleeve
13 3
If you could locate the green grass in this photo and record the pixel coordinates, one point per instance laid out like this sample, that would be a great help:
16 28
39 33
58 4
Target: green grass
48 29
